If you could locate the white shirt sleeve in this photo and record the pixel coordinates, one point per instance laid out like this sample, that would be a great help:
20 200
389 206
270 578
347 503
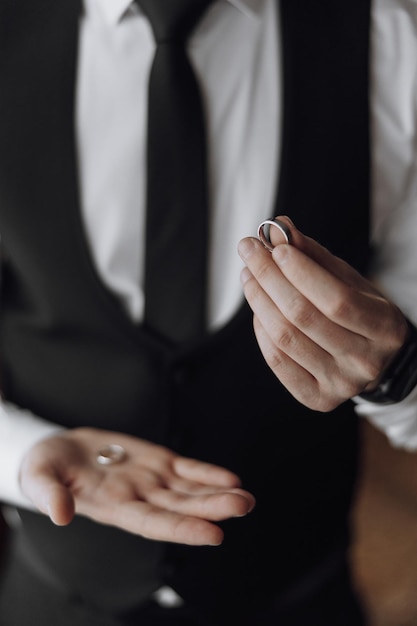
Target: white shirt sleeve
398 421
19 431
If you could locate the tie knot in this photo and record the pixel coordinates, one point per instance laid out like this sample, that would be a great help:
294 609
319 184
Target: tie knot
173 20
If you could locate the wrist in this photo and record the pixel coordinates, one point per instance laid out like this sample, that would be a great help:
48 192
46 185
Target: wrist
400 377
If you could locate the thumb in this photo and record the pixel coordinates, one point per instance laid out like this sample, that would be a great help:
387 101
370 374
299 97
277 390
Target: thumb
48 492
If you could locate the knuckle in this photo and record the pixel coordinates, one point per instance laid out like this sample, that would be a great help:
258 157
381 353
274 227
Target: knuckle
284 339
398 331
302 314
274 359
323 400
364 368
372 370
340 306
349 388
370 367
339 388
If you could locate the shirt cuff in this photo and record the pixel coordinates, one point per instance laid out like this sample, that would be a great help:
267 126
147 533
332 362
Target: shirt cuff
19 431
397 421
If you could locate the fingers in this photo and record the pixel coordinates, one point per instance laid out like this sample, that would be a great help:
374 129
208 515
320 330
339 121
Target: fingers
303 385
318 253
166 515
205 473
151 522
323 329
319 281
213 506
358 309
302 289
161 513
105 499
153 492
346 298
289 311
313 376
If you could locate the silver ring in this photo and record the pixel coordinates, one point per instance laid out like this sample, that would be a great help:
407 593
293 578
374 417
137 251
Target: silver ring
265 238
113 453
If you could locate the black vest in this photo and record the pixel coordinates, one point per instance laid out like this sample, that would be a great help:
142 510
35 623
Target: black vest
70 353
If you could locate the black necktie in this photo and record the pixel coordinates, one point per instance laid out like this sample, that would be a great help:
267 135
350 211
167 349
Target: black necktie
177 216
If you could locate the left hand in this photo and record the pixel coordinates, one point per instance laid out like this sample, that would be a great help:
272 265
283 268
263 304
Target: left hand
324 330
154 492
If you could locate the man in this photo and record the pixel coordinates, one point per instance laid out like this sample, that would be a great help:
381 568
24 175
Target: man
103 418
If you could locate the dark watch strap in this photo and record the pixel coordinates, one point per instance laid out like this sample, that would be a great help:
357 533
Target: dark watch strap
400 377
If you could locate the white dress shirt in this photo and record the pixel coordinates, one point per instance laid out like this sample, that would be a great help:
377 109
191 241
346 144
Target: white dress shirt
243 105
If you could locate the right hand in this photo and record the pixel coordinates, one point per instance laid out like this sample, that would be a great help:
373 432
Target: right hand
325 331
154 492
